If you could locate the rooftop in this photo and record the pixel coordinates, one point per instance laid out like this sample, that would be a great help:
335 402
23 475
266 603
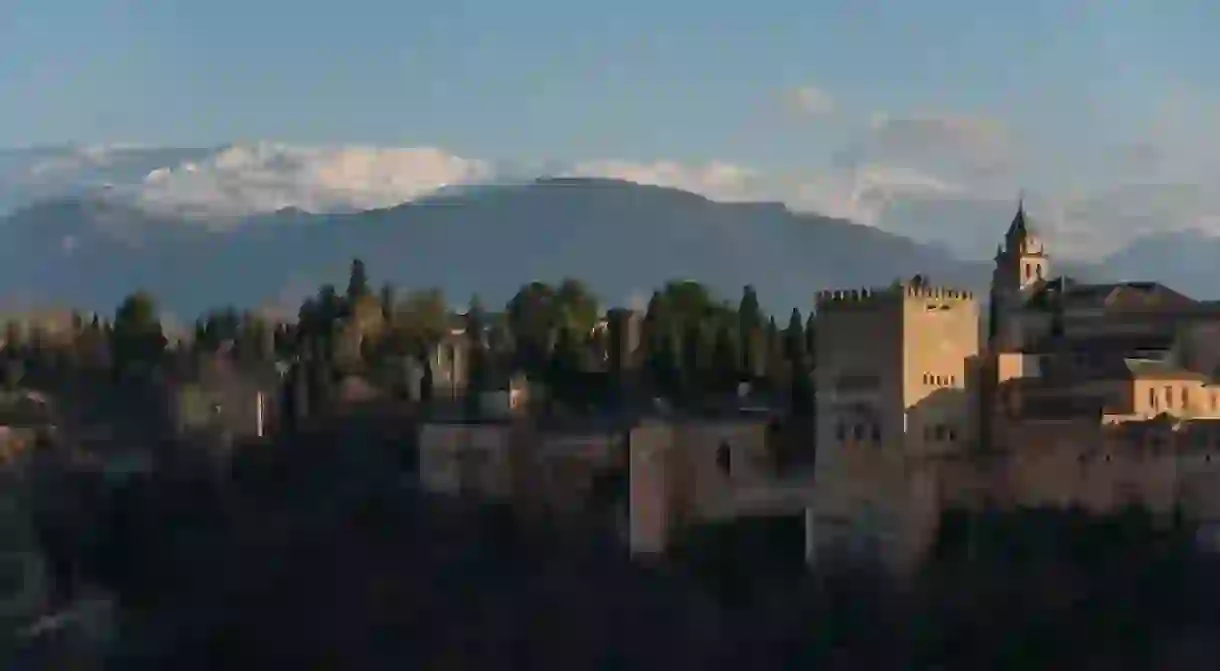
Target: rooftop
1064 292
1156 369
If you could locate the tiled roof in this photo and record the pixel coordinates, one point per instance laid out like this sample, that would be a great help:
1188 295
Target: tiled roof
1065 292
1121 343
1160 370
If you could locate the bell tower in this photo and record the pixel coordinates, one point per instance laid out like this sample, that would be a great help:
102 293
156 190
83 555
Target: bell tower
1021 267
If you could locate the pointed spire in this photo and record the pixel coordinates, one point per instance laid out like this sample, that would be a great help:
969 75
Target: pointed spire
1017 228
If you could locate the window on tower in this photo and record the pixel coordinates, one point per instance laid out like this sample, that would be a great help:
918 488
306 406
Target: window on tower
1038 270
1029 271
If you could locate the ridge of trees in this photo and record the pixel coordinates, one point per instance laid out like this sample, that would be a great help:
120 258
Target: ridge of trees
691 343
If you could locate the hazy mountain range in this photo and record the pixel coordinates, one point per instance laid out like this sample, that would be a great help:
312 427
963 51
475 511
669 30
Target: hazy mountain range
623 239
84 229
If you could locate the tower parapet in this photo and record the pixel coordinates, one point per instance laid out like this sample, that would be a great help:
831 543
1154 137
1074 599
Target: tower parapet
871 297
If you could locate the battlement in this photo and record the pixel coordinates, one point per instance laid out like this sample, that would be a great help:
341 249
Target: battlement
870 297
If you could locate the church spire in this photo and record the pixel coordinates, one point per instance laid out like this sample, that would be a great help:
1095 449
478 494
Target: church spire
1017 228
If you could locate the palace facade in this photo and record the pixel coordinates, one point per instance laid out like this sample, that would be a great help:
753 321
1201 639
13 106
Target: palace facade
1074 394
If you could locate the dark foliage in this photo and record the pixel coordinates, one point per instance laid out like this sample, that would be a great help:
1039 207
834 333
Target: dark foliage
316 556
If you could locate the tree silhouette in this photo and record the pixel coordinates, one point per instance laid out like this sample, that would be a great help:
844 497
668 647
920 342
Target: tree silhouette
811 339
794 339
387 301
533 320
357 282
477 357
750 322
725 359
137 337
694 373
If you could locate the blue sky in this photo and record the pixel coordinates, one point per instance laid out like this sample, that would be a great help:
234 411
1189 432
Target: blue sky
1069 81
688 80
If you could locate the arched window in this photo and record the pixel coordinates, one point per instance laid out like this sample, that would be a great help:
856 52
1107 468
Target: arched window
1038 271
1029 271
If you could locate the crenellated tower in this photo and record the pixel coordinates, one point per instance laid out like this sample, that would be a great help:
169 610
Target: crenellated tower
894 393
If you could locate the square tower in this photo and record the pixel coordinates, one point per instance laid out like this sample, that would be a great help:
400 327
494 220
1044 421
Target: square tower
893 394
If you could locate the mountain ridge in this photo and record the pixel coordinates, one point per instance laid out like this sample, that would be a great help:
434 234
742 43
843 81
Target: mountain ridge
624 239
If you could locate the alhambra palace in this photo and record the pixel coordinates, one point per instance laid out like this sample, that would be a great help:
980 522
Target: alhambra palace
1068 394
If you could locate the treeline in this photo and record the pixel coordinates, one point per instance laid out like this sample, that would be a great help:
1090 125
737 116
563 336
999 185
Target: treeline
691 343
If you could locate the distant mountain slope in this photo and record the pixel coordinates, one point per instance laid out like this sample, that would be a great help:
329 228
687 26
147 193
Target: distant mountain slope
623 239
1188 261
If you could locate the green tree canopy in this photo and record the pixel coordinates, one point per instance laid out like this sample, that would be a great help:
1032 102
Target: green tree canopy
749 312
811 339
576 307
724 373
566 363
750 332
137 336
357 282
687 301
387 301
479 357
532 319
794 339
219 325
421 319
137 312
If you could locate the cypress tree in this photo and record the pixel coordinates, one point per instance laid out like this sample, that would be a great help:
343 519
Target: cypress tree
794 339
725 357
749 323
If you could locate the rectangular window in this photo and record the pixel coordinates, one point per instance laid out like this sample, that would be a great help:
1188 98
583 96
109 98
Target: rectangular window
1185 398
1151 397
1168 398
